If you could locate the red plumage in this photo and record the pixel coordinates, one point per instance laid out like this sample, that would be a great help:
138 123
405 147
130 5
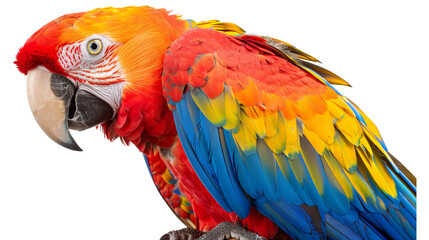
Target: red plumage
41 48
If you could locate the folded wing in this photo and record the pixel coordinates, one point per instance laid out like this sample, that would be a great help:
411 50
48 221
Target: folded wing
263 127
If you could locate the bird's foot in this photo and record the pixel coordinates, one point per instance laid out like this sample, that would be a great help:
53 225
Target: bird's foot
231 231
183 234
225 230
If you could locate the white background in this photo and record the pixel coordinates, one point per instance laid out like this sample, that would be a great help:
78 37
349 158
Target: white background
105 192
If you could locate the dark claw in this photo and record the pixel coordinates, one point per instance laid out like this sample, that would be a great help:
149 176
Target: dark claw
182 234
227 230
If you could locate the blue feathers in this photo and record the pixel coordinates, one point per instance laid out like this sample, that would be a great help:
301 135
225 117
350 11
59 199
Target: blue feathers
303 196
209 157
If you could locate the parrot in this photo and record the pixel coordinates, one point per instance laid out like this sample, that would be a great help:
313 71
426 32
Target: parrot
244 135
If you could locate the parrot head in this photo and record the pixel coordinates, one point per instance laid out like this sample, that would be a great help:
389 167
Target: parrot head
102 67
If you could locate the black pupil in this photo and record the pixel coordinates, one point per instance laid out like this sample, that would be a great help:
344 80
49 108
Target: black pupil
94 46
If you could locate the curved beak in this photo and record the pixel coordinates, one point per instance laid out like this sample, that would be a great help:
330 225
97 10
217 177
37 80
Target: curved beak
58 105
49 108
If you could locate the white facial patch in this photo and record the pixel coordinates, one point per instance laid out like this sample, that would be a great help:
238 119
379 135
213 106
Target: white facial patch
92 60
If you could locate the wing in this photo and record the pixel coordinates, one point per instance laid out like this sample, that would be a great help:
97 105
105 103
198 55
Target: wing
261 128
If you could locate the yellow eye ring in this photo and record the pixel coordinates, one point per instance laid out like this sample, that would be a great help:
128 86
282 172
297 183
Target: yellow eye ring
95 46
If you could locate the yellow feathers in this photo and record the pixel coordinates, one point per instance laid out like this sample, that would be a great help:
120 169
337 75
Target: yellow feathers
212 108
277 142
227 28
319 145
292 138
271 122
345 152
338 137
245 139
232 111
377 170
322 125
351 128
253 119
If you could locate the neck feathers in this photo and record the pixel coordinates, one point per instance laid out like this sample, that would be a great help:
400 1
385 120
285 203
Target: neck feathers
144 118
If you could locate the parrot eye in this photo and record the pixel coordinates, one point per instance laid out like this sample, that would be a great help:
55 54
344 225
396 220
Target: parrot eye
95 46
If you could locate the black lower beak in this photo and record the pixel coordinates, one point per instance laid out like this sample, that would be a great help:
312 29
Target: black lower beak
88 111
85 110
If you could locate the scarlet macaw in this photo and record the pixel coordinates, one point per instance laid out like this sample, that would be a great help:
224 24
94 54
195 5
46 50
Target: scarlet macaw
234 128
